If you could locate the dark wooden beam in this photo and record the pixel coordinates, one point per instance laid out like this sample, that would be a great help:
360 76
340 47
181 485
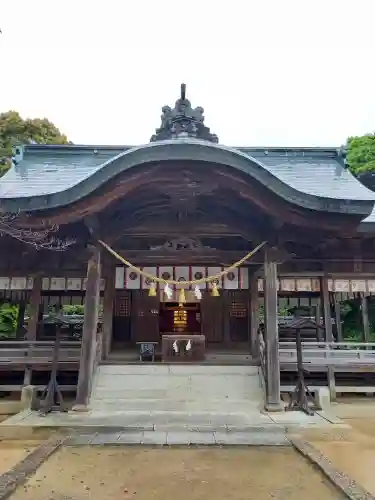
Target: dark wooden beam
273 400
89 332
254 315
32 323
108 304
365 318
326 308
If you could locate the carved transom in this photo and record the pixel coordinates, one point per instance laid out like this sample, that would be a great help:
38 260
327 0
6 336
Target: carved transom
179 244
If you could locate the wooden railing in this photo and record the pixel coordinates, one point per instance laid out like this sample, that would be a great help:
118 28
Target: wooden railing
38 352
329 353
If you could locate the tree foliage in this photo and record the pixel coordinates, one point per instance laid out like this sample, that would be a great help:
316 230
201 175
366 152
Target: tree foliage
15 130
361 154
8 320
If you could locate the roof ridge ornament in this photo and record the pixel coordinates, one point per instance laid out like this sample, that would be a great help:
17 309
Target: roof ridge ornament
183 121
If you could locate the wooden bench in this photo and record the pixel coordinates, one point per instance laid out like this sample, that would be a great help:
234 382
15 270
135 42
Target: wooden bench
35 353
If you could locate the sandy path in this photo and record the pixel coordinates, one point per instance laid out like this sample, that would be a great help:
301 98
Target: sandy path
185 474
11 452
353 452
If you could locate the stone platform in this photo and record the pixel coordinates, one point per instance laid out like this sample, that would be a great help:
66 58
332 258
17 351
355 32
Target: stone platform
179 403
92 422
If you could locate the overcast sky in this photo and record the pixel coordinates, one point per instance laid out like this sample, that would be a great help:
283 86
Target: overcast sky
268 73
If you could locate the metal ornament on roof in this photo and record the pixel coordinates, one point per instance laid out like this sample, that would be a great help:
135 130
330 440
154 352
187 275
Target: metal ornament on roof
183 121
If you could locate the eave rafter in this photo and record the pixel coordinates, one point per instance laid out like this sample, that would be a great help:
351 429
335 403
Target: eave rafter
156 186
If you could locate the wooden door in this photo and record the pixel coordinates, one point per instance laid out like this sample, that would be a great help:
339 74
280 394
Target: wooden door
121 317
239 315
145 317
212 318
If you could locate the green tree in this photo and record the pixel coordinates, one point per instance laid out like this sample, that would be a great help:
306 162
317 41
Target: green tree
15 130
361 154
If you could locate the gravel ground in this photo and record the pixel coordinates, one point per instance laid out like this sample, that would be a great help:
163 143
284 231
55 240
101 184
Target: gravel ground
184 473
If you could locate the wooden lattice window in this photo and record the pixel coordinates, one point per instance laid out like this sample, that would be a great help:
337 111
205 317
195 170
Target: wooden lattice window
238 310
122 306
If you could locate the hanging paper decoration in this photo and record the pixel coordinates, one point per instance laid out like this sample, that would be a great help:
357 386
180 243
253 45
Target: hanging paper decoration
175 346
197 292
168 291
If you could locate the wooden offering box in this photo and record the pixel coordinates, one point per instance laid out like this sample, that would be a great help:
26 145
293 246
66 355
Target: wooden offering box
195 353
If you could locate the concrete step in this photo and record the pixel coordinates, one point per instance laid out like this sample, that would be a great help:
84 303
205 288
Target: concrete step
177 369
169 405
183 388
182 437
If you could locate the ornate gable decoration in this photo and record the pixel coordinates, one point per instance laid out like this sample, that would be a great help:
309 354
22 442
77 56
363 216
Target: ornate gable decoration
183 121
181 244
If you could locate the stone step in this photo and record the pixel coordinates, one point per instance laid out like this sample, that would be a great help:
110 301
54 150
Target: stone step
183 388
145 369
182 402
175 395
258 438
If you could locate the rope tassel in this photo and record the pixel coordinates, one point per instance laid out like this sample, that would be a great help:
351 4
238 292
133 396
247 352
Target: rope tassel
181 298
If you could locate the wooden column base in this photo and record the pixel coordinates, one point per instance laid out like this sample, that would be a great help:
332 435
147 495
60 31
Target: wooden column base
80 408
274 407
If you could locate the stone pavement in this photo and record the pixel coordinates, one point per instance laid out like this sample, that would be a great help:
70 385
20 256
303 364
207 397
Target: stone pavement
168 428
159 420
180 437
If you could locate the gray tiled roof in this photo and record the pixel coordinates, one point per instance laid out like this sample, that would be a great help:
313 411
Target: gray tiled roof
317 172
314 174
47 170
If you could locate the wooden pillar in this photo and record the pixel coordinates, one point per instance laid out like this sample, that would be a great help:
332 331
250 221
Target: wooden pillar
20 318
273 400
365 320
319 332
326 309
226 300
254 315
32 324
108 305
89 332
338 318
328 332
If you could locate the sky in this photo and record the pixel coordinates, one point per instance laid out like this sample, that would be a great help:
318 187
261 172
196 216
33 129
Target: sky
267 72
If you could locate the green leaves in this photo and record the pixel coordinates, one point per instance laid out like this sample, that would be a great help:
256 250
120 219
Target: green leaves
361 154
8 320
14 130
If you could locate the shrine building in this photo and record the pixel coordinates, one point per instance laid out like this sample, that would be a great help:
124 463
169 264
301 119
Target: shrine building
183 208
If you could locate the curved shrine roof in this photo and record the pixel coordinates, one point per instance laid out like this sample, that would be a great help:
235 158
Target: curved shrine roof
52 176
45 177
